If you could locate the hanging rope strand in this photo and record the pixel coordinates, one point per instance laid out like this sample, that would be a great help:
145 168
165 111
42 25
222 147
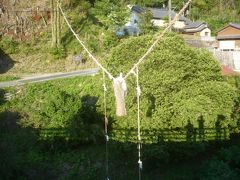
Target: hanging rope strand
105 104
85 48
138 90
105 124
150 49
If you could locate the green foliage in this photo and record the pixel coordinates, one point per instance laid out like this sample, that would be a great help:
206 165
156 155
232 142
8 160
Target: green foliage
58 53
8 45
111 13
110 40
151 3
60 112
218 170
216 13
179 84
7 78
146 26
224 165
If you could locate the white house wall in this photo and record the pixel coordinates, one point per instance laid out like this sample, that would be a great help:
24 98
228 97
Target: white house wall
226 45
204 31
179 24
133 20
158 22
163 23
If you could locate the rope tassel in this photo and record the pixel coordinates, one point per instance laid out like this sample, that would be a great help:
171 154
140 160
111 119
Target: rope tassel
120 91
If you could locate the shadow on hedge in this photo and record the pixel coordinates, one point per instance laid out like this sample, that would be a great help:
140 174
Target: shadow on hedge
6 63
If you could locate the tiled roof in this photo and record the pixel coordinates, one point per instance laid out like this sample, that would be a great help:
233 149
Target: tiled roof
235 25
137 9
195 27
160 13
192 25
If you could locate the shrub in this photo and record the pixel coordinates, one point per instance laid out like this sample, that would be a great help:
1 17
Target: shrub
218 170
179 84
58 53
61 115
8 45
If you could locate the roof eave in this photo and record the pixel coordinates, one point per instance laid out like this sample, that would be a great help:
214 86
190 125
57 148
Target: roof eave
228 38
229 25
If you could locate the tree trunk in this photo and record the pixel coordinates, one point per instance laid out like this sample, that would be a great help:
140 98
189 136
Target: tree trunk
58 28
53 23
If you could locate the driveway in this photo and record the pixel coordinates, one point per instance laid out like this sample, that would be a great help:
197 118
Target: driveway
49 77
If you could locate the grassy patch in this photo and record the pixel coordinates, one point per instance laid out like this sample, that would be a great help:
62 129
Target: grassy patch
8 78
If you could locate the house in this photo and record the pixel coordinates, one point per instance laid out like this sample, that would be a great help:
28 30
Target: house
229 37
184 25
197 28
131 28
160 18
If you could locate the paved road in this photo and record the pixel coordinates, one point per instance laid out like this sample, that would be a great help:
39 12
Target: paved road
49 77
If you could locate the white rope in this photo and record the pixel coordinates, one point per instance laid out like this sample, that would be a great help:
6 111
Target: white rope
138 92
82 44
150 49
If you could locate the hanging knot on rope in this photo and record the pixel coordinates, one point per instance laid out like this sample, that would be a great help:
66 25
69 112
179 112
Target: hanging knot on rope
135 73
138 91
120 91
139 139
107 137
140 164
104 87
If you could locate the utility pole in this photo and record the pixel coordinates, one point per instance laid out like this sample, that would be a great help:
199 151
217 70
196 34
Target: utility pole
169 12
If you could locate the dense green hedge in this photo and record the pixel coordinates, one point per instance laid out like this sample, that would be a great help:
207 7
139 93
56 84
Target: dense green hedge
64 109
179 85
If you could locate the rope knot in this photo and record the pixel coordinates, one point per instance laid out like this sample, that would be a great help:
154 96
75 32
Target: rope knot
107 137
104 87
140 164
138 91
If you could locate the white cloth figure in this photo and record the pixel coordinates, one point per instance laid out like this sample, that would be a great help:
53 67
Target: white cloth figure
120 91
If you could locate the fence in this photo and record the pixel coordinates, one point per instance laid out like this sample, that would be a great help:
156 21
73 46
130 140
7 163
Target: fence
148 136
230 59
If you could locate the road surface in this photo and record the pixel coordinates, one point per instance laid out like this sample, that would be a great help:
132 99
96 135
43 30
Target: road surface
49 77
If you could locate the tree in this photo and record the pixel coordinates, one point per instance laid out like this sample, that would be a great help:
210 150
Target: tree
111 13
55 21
145 23
179 84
